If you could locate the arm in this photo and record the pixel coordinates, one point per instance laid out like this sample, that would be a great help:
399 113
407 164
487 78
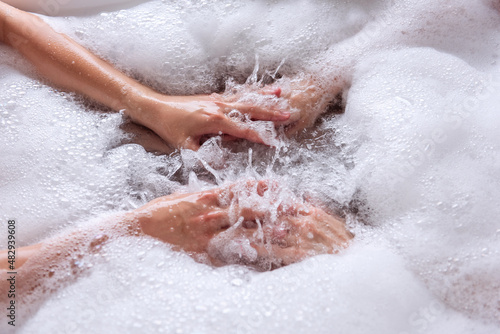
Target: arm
65 63
213 225
181 120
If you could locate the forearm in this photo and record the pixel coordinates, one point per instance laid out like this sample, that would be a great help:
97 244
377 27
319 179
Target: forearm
54 262
88 239
66 64
64 249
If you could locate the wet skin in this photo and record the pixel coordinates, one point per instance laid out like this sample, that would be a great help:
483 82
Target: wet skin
280 229
290 232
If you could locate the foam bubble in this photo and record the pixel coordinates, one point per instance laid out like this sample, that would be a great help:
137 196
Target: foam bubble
412 164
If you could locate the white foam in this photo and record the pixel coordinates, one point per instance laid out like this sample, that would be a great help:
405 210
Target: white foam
416 153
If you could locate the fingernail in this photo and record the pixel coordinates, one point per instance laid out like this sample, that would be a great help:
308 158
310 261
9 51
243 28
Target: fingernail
285 114
277 92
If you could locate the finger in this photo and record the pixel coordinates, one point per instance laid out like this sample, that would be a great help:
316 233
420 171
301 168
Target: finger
279 235
294 208
278 255
267 252
289 255
276 91
252 214
255 112
263 250
242 188
216 219
210 197
262 187
225 98
262 114
244 132
257 240
211 222
250 186
229 138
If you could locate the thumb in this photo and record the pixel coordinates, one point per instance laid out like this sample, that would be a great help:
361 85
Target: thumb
271 91
242 131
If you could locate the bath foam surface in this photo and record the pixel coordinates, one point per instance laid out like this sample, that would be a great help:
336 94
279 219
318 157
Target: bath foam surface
413 162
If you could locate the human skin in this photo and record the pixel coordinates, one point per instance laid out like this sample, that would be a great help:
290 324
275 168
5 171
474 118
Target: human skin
248 223
190 222
308 97
180 121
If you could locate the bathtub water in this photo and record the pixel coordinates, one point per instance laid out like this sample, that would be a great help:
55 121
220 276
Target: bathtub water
414 162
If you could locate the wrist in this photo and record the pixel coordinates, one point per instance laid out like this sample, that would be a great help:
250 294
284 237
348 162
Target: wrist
134 102
148 213
148 108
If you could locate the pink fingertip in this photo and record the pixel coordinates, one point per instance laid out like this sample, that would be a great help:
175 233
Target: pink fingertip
285 115
278 92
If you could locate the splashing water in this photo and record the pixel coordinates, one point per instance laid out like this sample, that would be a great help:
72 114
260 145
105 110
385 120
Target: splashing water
413 165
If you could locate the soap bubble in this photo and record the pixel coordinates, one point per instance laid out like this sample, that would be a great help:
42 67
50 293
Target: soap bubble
412 164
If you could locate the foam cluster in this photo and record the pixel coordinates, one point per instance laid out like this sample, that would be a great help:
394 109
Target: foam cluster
412 164
269 227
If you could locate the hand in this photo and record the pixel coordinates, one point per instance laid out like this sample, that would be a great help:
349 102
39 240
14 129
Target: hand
183 120
248 222
190 221
307 99
186 221
285 232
